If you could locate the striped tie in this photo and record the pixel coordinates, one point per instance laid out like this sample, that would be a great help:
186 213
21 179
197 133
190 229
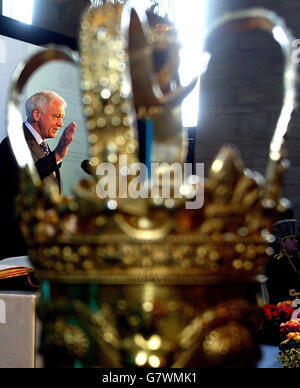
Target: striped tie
45 148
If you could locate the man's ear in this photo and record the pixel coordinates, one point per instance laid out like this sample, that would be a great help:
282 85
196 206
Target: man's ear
36 114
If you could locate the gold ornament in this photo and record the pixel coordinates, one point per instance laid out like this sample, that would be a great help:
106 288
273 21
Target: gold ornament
147 282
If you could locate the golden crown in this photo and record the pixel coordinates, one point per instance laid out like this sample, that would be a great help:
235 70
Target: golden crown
143 237
85 239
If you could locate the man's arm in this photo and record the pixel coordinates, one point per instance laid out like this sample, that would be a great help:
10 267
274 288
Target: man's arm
51 162
12 241
47 165
9 171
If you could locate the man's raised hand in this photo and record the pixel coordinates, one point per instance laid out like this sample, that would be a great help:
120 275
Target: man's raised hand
66 139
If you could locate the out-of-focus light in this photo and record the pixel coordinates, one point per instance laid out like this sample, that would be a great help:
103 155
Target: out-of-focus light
189 19
141 358
21 10
154 361
280 35
217 165
154 342
112 205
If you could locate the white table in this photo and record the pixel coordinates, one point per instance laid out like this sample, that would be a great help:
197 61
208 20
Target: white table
17 329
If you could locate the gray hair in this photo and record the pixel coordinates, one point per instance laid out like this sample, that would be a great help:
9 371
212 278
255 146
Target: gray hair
41 100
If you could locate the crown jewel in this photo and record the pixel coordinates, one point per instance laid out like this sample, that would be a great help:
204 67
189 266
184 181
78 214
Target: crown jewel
129 69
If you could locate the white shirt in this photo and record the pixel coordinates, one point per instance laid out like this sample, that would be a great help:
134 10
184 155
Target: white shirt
34 133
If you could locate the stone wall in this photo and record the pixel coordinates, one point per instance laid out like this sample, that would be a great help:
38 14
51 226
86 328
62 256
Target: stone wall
241 94
60 16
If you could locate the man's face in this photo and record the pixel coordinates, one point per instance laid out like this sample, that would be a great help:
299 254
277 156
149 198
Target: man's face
51 119
291 244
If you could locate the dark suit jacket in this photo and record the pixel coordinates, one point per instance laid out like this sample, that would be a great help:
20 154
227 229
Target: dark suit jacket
46 165
11 239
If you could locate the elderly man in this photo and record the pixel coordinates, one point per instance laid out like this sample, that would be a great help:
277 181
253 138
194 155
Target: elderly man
45 112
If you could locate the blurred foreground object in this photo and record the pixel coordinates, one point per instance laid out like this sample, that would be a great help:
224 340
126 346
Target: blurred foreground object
146 282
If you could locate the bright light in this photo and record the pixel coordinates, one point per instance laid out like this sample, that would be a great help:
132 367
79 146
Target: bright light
189 18
154 361
141 358
21 10
154 342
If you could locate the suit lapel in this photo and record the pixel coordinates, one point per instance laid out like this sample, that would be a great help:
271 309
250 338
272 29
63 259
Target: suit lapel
36 150
37 153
